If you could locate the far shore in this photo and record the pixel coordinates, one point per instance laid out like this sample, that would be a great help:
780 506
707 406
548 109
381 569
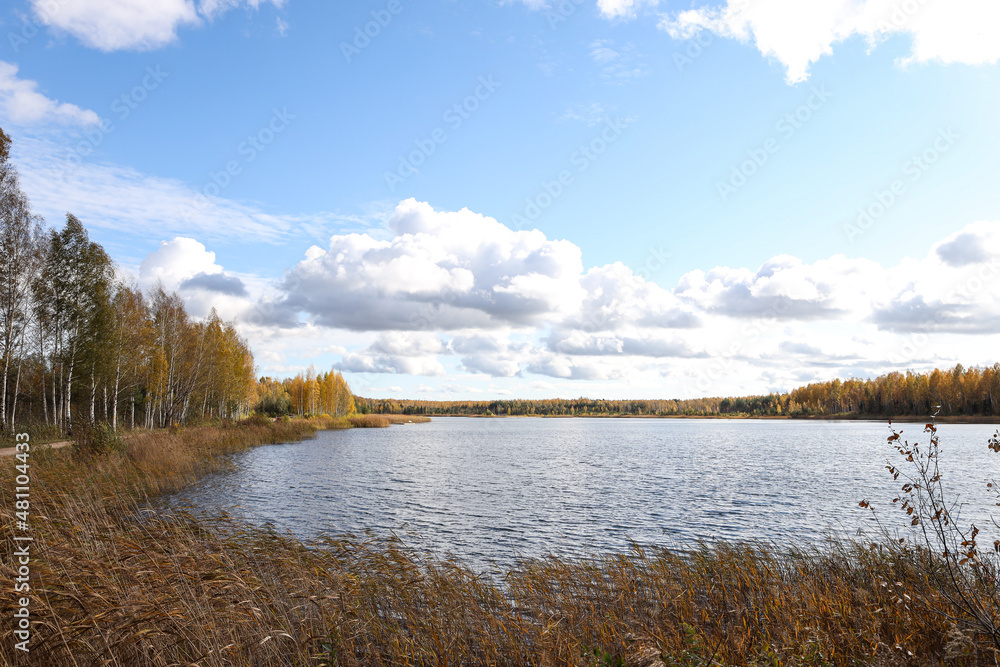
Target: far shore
915 419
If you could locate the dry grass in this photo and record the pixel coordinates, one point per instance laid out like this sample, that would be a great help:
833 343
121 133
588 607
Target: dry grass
383 421
114 584
369 421
407 419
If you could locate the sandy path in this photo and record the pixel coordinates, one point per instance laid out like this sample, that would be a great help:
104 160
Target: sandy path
10 451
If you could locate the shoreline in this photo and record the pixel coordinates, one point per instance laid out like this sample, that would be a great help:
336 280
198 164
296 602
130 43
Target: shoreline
906 419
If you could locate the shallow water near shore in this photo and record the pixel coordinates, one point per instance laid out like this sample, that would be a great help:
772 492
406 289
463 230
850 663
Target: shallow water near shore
491 490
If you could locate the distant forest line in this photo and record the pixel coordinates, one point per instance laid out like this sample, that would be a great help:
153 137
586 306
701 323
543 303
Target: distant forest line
960 391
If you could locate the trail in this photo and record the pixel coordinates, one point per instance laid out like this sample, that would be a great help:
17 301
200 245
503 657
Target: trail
10 451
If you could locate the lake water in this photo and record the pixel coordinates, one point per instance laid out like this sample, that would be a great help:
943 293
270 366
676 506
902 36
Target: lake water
489 490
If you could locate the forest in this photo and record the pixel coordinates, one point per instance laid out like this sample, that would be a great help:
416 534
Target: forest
973 392
308 393
80 343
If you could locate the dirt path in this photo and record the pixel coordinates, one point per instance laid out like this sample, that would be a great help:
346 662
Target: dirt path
10 451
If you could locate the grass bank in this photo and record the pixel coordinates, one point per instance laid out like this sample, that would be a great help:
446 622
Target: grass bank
115 585
384 421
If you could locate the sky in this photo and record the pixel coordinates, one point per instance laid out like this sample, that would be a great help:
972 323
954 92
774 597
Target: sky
472 199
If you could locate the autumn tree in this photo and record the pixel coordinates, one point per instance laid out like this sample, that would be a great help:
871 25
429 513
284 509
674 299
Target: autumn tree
20 240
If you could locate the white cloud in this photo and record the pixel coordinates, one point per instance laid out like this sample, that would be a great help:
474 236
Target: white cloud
212 8
953 289
113 25
176 260
797 34
440 270
363 362
786 288
975 244
58 178
571 368
490 355
186 266
618 63
622 8
22 104
516 303
512 305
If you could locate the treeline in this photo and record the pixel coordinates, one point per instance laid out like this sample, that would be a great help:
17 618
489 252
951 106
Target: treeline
79 343
959 391
544 407
305 394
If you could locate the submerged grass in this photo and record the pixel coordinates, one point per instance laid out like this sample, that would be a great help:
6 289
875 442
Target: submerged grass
116 584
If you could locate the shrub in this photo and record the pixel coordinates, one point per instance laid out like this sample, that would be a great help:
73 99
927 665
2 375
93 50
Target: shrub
257 420
97 439
948 556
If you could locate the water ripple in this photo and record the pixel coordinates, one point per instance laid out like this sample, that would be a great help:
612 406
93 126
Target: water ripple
492 490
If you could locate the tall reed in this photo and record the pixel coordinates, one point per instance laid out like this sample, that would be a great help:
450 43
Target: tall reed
117 583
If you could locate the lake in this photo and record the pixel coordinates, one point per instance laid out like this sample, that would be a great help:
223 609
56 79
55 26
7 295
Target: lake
490 490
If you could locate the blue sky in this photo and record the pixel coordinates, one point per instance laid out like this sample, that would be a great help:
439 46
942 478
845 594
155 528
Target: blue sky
489 199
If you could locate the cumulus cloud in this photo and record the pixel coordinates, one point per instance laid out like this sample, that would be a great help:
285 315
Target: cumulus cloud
215 282
570 368
407 344
623 8
186 266
176 261
489 355
22 104
797 34
956 289
440 270
616 297
787 288
975 244
497 304
113 25
401 352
